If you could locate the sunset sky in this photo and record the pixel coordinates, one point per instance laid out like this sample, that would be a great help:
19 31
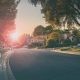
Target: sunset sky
28 17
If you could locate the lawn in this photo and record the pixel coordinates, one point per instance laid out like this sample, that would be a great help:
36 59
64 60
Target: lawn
71 49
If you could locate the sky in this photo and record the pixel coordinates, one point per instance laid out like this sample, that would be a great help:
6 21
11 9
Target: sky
28 17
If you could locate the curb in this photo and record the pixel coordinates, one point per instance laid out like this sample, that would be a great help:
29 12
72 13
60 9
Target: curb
66 52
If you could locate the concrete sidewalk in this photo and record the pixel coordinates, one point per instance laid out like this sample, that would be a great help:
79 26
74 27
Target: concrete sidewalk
2 77
65 52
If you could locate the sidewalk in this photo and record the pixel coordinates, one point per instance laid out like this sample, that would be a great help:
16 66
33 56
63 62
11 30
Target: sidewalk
66 52
5 70
2 77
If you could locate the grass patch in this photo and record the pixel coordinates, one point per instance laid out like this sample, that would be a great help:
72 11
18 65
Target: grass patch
74 49
65 49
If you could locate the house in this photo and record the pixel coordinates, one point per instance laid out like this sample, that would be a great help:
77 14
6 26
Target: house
39 41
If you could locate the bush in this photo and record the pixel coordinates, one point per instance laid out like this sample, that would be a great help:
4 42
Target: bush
65 49
67 42
52 43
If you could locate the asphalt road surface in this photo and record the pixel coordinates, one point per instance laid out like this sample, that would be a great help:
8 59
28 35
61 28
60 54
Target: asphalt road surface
27 64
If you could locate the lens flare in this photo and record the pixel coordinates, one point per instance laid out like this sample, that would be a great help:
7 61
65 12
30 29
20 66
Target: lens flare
14 36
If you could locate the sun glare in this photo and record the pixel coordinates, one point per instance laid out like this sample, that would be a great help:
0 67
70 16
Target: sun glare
14 36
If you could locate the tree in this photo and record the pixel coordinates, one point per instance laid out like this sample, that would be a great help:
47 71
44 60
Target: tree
52 39
76 34
48 29
57 12
7 25
39 30
7 17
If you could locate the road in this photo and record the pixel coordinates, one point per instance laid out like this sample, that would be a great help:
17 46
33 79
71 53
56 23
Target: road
36 64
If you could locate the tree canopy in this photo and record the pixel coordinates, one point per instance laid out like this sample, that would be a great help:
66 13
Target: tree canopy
48 29
57 12
39 30
7 16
